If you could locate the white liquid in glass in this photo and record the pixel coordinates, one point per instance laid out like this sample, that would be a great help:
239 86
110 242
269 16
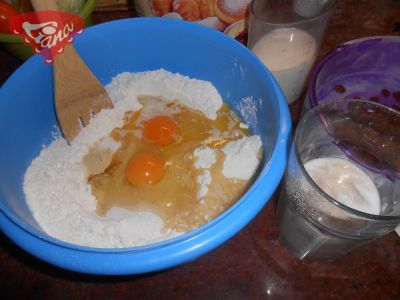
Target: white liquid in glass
346 183
289 54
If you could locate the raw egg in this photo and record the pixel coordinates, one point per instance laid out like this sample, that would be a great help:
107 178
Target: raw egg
154 167
161 130
144 168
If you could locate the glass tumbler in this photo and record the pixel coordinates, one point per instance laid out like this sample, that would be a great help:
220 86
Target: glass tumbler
316 218
286 36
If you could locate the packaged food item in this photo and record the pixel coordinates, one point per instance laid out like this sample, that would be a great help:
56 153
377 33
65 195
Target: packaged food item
224 15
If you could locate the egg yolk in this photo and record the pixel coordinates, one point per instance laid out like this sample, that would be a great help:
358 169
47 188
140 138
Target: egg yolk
161 130
144 168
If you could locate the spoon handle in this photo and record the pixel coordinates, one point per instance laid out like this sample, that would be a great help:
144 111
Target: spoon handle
78 95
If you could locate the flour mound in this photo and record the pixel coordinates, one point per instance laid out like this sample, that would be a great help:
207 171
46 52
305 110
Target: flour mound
55 184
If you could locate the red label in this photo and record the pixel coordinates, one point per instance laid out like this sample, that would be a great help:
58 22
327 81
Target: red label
47 32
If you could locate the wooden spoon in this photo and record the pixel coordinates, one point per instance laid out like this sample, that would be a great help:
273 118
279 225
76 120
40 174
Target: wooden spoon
78 95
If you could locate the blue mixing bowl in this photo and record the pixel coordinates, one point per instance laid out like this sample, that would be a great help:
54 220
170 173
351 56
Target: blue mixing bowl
27 120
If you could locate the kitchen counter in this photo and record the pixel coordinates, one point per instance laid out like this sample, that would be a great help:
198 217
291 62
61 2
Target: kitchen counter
253 264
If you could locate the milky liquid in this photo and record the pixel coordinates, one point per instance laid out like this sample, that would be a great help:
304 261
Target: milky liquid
289 54
346 183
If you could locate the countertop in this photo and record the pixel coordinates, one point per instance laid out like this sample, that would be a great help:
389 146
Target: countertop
253 264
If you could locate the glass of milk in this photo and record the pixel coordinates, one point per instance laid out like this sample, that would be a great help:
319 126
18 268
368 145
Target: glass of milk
342 184
286 35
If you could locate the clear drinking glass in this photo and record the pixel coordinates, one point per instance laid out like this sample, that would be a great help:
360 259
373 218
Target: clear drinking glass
366 134
286 36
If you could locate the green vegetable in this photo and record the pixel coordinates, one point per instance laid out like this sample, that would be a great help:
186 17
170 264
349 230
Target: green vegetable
71 6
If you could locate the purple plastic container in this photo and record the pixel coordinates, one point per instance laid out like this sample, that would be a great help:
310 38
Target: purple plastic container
366 68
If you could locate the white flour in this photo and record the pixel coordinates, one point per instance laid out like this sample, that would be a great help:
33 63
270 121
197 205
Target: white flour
55 183
241 157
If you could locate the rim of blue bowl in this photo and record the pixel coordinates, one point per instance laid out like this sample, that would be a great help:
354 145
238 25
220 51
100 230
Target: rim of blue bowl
183 248
312 91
